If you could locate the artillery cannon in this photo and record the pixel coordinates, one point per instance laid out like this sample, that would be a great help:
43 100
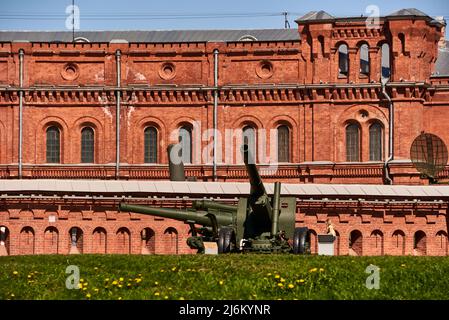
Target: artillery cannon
257 223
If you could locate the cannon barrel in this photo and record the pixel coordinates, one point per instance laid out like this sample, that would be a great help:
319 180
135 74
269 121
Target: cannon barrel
206 205
257 187
181 215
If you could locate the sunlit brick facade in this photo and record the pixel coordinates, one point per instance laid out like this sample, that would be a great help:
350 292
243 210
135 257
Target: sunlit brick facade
320 83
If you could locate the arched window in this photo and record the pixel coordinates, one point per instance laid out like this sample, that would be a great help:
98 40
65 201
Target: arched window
123 241
87 145
26 241
75 240
99 240
185 139
53 145
355 243
402 39
364 59
51 239
150 145
283 144
385 65
353 143
398 243
321 41
377 243
343 60
375 142
170 241
249 138
148 241
419 243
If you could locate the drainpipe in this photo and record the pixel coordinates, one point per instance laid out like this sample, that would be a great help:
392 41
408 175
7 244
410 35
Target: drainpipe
117 112
21 54
388 178
215 113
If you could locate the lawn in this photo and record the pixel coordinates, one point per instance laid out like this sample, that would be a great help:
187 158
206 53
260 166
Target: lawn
192 277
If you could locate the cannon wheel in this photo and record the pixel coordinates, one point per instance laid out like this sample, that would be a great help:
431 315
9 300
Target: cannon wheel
226 240
301 240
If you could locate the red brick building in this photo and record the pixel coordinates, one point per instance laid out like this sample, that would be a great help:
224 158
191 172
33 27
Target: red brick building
337 101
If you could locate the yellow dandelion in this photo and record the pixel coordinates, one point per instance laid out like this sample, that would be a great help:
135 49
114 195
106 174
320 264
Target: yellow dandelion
277 276
166 297
300 281
313 270
120 298
128 285
84 289
169 288
139 275
162 270
13 295
181 298
321 270
85 284
81 280
121 279
119 286
156 283
156 293
80 285
29 276
114 282
88 296
106 280
403 265
291 286
268 274
138 280
282 280
96 290
220 282
173 269
15 273
280 284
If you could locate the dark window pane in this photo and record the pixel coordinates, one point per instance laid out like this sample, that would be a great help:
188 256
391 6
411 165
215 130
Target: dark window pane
343 62
249 138
150 145
375 142
385 64
283 144
185 139
364 59
53 145
352 143
87 145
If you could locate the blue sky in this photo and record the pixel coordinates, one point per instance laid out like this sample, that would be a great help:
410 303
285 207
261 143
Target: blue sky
96 14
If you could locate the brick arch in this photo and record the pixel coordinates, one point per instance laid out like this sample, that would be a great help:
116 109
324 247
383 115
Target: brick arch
292 125
4 240
376 243
26 214
136 153
170 241
197 143
123 240
51 240
442 242
27 241
355 243
78 237
99 240
397 243
40 139
98 128
352 113
419 243
148 241
313 241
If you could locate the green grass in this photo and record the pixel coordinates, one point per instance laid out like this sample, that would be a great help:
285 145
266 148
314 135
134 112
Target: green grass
223 277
